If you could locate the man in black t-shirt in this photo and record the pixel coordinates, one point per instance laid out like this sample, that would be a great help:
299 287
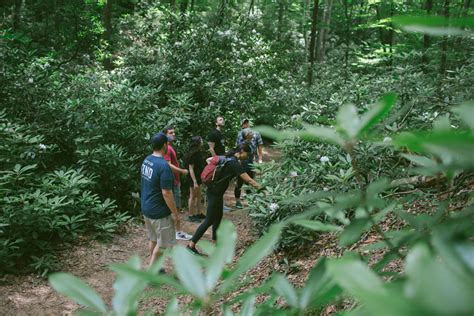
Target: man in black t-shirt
215 139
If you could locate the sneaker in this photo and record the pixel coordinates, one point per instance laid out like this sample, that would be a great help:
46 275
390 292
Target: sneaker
162 271
201 216
180 235
194 251
238 205
226 209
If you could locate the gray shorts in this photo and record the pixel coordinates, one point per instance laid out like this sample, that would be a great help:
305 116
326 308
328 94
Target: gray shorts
161 231
177 196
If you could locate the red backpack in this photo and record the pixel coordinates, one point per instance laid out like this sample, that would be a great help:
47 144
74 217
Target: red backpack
212 171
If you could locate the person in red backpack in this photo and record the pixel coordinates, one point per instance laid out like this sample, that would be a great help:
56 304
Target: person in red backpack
215 192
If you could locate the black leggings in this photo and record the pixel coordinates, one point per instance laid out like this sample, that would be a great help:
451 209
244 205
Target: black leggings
240 183
215 205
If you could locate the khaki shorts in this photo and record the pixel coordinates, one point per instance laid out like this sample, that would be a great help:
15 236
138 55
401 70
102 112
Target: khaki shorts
161 230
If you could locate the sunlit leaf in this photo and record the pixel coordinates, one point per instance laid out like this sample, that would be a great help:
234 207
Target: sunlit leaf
77 290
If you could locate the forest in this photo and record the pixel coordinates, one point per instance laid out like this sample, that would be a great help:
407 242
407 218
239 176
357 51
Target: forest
365 106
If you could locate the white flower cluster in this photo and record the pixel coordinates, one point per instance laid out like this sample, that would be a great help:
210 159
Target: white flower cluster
324 159
274 207
42 146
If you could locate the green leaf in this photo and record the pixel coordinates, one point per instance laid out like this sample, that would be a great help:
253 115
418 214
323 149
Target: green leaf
431 283
320 288
434 25
348 120
317 225
454 148
352 233
224 252
466 113
259 250
322 133
128 289
172 308
420 160
273 133
377 112
286 290
77 290
189 272
248 306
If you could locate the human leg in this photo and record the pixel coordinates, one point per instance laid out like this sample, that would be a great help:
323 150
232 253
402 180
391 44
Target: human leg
217 220
214 206
161 234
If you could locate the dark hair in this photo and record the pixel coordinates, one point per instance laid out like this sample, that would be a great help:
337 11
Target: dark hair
193 147
167 129
158 141
242 147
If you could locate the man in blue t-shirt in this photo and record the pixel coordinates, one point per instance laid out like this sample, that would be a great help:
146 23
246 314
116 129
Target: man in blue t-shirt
157 202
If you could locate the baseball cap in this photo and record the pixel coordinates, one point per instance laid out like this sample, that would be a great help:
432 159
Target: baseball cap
158 140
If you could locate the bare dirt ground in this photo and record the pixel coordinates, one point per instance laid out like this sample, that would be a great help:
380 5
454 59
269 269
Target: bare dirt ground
90 260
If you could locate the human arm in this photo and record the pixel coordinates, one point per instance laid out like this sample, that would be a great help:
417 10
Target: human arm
169 200
260 153
247 179
211 148
177 169
193 175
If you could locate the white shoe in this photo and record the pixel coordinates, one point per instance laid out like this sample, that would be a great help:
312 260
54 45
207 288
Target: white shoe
180 235
226 209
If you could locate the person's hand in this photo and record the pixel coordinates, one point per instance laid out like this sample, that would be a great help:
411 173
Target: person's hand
260 161
186 172
177 221
196 185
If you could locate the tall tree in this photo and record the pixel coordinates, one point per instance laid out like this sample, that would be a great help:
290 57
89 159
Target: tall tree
426 38
107 20
323 31
312 42
444 43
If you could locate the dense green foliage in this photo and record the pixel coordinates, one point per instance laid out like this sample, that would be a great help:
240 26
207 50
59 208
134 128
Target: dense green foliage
84 84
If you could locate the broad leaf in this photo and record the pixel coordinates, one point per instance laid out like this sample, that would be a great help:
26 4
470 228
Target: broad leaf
254 255
77 290
189 272
317 225
352 233
466 113
377 112
127 289
286 290
348 120
224 252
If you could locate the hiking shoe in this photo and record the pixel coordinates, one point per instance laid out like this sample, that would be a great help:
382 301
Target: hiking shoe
180 235
162 271
194 251
226 209
238 205
201 216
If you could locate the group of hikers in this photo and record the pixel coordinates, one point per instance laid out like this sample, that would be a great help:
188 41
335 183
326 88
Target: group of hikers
161 184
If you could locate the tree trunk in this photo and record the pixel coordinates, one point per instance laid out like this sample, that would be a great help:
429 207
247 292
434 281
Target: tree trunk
426 38
464 12
324 29
17 15
312 42
303 24
281 10
381 35
107 20
444 43
390 36
347 37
